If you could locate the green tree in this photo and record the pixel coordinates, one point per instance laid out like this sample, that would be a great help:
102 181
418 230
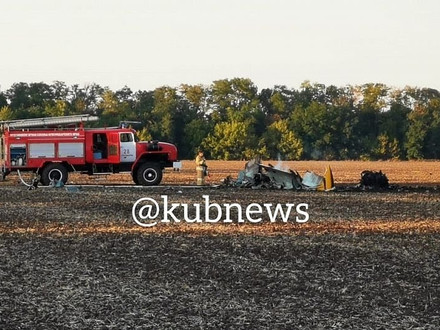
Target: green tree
432 143
60 91
280 141
116 107
370 101
194 133
193 118
143 107
326 124
56 108
310 124
393 123
417 132
196 97
235 99
144 135
230 140
29 100
3 100
6 113
277 103
424 125
163 114
85 100
110 110
386 148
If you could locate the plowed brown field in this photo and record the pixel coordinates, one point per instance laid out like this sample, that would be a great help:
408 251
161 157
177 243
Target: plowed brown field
75 259
345 172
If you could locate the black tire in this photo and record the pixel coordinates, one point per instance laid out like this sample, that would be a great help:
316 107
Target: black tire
53 171
134 176
148 174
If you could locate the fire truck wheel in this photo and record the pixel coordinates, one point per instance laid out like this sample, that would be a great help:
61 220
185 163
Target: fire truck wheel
149 174
135 179
53 172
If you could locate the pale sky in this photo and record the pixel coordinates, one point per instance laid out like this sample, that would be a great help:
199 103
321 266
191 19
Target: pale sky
146 44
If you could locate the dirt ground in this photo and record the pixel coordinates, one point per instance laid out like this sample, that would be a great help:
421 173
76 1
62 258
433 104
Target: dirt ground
344 172
75 259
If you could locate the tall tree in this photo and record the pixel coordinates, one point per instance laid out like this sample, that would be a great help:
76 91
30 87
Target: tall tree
230 140
235 99
280 142
85 99
424 124
6 113
417 132
371 100
164 113
193 113
3 100
393 126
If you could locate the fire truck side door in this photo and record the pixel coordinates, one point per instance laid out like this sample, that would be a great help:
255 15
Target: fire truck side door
127 147
113 147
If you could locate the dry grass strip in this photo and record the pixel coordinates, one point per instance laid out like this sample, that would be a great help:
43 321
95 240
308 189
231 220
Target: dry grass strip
262 229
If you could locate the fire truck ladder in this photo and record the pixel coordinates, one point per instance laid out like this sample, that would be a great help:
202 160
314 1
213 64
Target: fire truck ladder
36 123
48 121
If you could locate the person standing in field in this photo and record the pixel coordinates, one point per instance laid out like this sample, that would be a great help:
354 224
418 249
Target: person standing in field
201 168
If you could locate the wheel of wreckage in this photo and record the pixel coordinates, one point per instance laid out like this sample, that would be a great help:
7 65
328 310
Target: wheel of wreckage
149 174
53 172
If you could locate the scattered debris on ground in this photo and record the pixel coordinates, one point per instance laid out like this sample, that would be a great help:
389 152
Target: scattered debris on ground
374 180
258 176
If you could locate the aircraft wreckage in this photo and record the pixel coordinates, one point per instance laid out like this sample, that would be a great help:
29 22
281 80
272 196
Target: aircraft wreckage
257 175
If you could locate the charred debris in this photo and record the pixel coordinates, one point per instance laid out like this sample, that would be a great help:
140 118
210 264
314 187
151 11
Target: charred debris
258 176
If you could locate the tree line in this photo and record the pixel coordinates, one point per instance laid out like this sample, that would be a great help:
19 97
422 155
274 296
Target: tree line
232 119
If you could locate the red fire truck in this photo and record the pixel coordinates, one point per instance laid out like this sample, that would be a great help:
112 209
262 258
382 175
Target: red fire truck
53 147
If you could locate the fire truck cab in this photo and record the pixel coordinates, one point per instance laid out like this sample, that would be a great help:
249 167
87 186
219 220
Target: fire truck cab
49 148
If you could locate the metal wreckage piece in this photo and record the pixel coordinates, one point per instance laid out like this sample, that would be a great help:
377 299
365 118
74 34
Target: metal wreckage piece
259 176
373 180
